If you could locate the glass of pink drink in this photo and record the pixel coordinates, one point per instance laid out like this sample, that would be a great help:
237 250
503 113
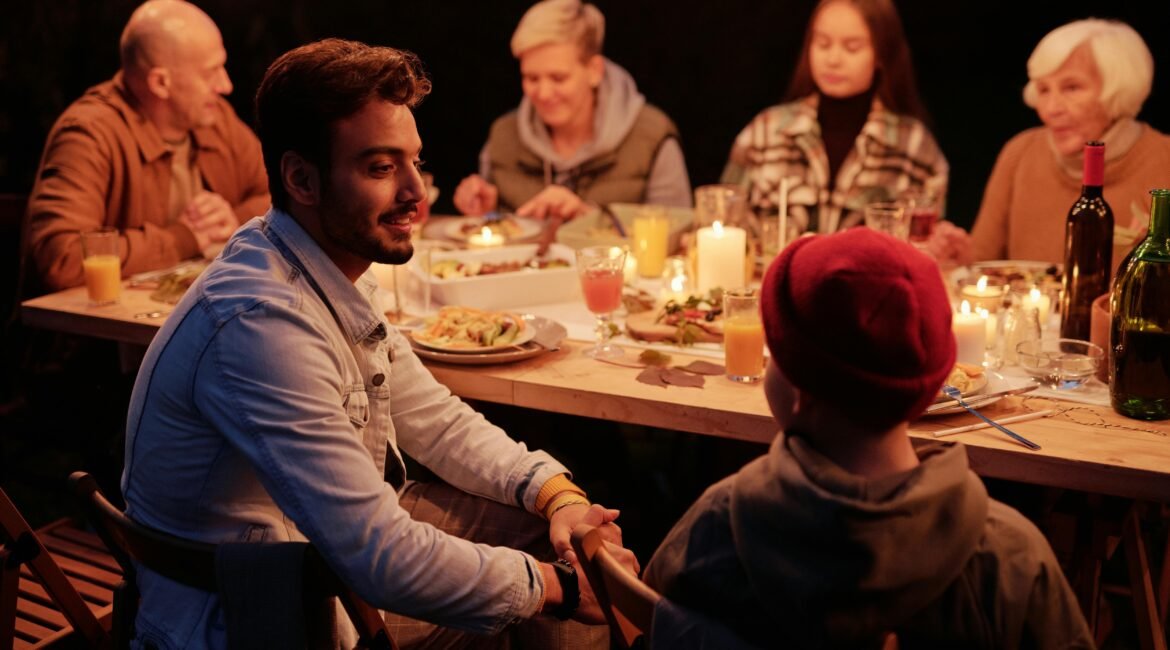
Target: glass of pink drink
600 269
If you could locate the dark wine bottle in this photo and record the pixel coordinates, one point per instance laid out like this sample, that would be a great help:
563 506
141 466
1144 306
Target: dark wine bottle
1140 332
1088 248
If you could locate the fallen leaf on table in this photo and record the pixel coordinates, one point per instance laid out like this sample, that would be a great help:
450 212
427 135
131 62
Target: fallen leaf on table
676 377
703 368
652 376
654 358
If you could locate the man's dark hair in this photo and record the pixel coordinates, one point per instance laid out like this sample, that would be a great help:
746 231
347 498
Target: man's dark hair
307 90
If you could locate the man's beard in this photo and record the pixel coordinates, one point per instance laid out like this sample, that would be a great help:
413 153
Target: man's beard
367 245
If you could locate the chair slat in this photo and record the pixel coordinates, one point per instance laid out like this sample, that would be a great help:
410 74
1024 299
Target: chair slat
50 617
32 631
82 553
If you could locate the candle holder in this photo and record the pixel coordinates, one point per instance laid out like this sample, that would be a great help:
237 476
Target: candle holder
677 280
986 292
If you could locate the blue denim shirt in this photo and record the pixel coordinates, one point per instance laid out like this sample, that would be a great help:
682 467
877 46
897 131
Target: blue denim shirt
272 407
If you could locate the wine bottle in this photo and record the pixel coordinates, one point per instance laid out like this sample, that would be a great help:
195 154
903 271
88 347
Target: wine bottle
1140 331
1088 248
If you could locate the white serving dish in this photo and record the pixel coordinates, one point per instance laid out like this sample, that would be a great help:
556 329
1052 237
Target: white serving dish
503 290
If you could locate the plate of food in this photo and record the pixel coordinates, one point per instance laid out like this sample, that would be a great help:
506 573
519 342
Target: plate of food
466 330
513 353
511 227
698 319
971 380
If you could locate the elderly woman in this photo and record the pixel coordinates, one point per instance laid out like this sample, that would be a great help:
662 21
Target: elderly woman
1087 81
583 132
852 130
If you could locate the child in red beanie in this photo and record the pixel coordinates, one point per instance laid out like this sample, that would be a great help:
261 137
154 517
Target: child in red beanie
844 531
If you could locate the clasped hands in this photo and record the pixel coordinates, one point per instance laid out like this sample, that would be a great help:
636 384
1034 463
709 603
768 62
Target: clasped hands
474 195
560 529
210 218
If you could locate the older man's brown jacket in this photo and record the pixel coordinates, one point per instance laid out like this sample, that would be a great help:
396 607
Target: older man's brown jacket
107 165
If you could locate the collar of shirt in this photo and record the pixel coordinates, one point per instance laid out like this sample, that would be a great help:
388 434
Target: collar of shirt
351 303
150 142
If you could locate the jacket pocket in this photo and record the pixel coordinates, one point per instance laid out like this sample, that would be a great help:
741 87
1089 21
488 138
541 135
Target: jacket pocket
357 407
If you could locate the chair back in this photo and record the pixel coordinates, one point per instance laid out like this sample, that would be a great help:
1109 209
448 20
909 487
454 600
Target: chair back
627 602
44 606
193 564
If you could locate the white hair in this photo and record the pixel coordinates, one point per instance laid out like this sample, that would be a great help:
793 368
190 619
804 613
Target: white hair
560 21
1123 61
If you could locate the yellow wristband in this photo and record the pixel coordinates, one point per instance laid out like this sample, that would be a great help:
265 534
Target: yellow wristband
554 487
562 500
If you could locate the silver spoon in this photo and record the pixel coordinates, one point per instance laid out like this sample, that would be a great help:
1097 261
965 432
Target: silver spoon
955 394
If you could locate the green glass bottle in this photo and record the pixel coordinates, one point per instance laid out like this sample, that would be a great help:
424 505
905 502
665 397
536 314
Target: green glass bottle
1140 332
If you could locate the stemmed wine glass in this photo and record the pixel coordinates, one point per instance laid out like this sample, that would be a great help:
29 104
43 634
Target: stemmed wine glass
600 269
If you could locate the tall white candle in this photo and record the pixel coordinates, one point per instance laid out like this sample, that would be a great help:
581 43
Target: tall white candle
970 331
722 255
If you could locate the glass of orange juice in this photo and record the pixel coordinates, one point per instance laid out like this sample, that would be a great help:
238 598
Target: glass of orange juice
102 266
743 335
651 232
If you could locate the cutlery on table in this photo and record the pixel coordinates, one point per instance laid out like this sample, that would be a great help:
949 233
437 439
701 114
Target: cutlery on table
955 394
983 425
547 235
976 401
608 212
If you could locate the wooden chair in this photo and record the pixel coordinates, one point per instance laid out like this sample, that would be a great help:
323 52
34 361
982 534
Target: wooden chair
193 564
56 584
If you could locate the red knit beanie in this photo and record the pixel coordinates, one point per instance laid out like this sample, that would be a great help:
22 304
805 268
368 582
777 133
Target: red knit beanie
860 320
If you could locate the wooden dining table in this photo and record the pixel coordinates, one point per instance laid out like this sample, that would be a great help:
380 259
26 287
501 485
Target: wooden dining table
1086 448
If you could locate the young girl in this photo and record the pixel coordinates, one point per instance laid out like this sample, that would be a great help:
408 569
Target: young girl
851 131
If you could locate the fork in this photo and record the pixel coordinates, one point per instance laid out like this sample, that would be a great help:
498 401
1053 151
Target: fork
955 394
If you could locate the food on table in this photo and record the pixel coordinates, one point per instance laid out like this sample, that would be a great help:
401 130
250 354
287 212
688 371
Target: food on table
172 286
507 226
468 328
964 376
698 319
448 269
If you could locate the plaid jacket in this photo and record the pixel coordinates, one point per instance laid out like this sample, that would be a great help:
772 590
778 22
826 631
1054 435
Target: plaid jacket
894 156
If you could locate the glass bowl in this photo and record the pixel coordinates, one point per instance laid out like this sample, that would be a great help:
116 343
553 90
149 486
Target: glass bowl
1064 364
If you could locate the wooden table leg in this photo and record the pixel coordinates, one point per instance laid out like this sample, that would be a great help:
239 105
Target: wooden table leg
1145 605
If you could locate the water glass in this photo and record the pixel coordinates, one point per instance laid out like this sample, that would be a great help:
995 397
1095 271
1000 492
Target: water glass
102 266
1064 364
889 217
743 335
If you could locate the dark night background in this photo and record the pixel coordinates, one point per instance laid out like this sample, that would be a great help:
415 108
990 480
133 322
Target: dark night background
709 65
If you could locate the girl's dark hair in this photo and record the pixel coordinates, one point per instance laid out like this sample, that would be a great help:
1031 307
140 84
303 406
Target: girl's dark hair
308 89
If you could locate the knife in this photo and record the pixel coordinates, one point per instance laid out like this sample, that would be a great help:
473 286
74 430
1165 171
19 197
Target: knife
976 400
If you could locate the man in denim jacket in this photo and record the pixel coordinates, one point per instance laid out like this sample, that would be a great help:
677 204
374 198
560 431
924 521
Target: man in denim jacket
276 402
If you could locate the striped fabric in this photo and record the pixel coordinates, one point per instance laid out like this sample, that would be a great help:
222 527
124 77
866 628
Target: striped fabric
894 157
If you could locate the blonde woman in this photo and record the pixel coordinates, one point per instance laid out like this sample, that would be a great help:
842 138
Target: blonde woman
582 133
1087 81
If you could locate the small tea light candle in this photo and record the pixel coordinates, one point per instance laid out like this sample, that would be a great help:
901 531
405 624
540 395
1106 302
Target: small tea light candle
485 238
983 295
992 326
970 330
676 282
1040 302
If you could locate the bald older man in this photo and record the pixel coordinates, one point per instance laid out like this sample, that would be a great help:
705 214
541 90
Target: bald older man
156 153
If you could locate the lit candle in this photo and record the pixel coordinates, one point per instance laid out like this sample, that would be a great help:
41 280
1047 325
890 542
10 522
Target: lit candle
970 331
485 238
982 295
722 257
1040 302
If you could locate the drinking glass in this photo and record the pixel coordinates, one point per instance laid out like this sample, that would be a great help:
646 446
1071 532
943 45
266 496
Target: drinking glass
724 203
600 269
889 217
743 335
651 232
1063 364
102 266
924 213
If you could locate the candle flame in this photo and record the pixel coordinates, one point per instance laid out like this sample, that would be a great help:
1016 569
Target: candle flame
486 233
981 285
965 307
982 312
718 228
1034 294
678 284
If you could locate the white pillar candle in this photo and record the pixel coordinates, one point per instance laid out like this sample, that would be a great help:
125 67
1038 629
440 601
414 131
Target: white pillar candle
722 255
992 326
970 331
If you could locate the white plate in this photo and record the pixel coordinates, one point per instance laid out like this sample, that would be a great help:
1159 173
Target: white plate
525 351
521 339
528 228
992 381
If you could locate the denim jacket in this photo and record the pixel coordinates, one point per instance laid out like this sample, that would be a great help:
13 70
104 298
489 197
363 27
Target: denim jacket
273 406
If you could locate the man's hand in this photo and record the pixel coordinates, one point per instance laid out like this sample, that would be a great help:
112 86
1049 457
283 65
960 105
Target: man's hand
553 201
950 245
589 611
560 527
210 218
474 195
